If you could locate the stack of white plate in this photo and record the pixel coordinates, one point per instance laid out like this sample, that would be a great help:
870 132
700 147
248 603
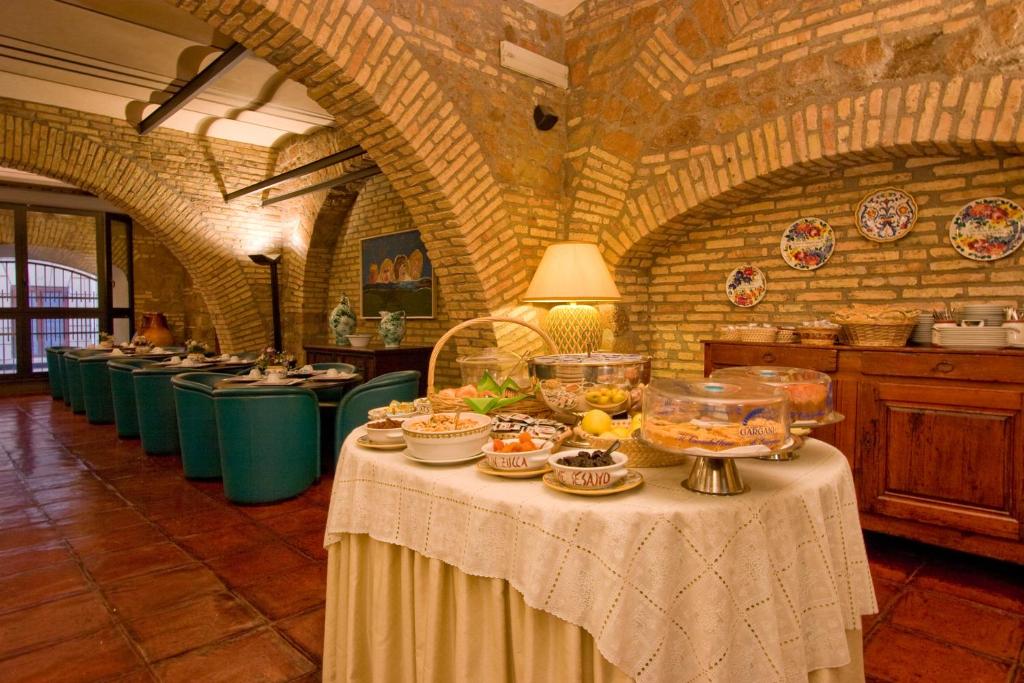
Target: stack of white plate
923 332
992 314
971 337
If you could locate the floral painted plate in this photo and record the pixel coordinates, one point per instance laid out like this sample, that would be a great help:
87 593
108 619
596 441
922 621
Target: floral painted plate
987 229
807 244
746 286
886 215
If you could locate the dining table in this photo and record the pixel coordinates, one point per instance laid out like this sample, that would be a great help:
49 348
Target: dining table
448 573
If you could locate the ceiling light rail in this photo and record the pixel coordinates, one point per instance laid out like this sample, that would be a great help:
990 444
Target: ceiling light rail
227 59
360 174
305 169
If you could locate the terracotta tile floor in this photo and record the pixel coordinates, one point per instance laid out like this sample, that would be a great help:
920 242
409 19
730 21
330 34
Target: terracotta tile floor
113 567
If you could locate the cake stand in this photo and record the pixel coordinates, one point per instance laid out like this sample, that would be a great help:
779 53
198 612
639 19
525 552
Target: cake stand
802 429
716 474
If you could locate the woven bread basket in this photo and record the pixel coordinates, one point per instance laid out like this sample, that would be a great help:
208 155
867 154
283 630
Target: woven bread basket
532 406
761 335
818 336
878 334
639 454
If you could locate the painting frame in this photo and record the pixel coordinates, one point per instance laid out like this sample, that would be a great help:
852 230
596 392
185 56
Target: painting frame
398 295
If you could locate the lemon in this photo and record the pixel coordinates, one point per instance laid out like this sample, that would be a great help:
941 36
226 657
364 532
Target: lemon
596 422
608 435
623 432
637 421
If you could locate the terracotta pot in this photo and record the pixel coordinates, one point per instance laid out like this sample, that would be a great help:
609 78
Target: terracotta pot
154 329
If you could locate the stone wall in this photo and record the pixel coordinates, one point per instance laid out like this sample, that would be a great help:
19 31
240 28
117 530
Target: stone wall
686 284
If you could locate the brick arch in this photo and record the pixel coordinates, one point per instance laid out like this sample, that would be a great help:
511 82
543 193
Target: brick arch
980 116
343 53
38 148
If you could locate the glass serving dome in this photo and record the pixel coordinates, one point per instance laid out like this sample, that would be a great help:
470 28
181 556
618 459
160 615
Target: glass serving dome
572 384
712 416
500 364
810 391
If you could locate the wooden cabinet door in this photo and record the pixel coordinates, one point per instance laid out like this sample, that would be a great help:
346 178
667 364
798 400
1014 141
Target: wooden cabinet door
948 455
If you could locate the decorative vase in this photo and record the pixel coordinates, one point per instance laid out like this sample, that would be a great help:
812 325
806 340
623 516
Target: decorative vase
154 328
392 328
342 321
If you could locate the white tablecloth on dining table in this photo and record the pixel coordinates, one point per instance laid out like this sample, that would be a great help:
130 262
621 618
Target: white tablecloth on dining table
671 585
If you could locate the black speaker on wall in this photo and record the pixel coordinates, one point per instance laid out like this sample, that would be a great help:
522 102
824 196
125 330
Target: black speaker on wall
544 119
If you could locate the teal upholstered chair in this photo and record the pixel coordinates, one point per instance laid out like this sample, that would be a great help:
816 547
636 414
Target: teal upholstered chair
53 370
154 404
379 391
99 403
329 398
269 442
197 423
73 376
122 393
65 387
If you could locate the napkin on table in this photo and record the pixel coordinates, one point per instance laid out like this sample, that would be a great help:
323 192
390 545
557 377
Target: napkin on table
158 349
174 360
255 373
117 352
332 372
306 369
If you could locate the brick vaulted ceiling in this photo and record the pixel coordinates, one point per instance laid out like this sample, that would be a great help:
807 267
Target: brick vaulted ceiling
121 58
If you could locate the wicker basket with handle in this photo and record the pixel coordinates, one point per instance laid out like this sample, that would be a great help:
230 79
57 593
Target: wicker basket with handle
531 405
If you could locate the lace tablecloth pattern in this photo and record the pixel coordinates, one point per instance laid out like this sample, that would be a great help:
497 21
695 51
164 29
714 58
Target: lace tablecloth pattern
673 585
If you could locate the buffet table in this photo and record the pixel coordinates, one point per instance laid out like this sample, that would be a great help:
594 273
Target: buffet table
444 573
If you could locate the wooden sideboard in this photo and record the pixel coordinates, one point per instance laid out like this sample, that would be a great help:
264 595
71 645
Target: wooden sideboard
935 437
375 360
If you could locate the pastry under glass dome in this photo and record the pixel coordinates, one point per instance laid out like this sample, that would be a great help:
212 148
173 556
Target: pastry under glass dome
810 391
718 422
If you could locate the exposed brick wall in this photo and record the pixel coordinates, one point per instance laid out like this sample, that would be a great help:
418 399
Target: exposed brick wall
686 284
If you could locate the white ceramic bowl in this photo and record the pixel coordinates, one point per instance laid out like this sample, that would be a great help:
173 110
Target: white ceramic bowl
390 435
359 341
449 445
526 460
589 477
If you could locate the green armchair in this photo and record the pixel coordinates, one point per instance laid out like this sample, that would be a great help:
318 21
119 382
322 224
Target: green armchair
379 391
53 369
197 423
122 394
269 442
99 403
154 404
73 376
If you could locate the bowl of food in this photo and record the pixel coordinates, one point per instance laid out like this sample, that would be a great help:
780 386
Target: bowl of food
359 341
446 436
386 431
522 453
585 468
572 384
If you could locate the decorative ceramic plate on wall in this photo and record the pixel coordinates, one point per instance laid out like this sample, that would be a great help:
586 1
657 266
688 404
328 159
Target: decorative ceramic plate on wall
807 244
746 286
987 229
886 215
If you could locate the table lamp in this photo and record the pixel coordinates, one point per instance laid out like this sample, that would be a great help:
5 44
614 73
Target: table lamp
573 274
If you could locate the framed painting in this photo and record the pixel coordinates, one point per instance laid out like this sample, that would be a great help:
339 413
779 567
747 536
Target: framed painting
395 274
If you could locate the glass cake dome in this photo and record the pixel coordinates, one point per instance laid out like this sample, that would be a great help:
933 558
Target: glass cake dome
809 391
712 415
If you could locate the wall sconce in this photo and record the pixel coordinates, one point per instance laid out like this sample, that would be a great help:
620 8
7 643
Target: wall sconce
275 300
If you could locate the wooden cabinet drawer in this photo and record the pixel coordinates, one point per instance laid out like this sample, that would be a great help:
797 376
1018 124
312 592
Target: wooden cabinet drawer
962 366
823 360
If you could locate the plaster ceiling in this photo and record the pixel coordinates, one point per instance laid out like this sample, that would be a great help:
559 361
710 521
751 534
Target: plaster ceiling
121 58
559 7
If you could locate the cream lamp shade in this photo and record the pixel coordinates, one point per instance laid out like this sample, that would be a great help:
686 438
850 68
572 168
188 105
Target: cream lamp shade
572 273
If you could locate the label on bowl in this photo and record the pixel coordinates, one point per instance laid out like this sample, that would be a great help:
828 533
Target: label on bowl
586 480
510 461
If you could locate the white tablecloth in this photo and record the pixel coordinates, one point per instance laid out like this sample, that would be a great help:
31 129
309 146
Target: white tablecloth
672 585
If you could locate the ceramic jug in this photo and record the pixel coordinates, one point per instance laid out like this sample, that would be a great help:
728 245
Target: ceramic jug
154 329
342 321
392 328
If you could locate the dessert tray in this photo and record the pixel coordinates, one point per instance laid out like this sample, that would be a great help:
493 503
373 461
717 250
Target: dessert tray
632 480
717 422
